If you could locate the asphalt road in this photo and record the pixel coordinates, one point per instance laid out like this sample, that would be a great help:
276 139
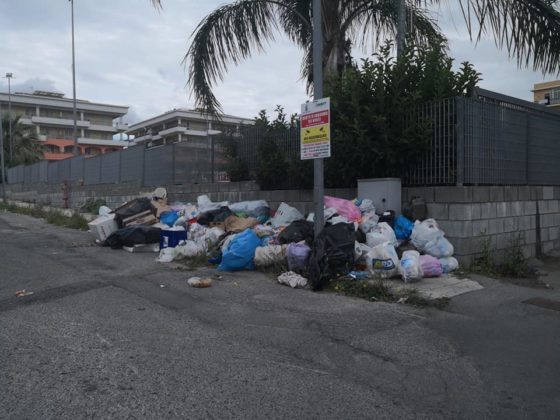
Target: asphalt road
109 334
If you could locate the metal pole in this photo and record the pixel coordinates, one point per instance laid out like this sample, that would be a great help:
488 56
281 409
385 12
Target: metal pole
3 168
401 26
75 129
10 137
318 174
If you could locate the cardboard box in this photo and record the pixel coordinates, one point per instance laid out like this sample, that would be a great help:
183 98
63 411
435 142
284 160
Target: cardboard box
144 218
103 226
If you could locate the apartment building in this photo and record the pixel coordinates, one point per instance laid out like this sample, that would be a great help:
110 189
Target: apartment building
51 114
547 93
182 125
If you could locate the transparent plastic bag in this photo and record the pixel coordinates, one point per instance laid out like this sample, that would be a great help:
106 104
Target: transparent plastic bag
381 233
410 268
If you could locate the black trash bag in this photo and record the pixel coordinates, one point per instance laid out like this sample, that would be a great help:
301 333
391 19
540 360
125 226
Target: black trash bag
416 209
388 217
297 231
138 205
218 215
332 254
361 236
133 235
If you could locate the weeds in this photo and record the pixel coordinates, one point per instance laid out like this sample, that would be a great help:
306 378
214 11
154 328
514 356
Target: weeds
92 206
376 290
514 264
193 263
53 217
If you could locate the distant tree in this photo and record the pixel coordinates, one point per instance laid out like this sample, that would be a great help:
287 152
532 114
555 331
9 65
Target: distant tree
26 146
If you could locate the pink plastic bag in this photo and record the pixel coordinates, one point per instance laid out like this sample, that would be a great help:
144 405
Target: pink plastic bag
431 267
344 208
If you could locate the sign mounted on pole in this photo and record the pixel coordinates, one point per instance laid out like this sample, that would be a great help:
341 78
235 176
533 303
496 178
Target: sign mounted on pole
316 129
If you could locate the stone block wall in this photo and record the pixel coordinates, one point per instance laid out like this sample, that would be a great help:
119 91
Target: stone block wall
467 214
116 194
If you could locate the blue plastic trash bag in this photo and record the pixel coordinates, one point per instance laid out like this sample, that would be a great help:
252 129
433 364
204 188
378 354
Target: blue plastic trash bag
169 218
240 252
403 227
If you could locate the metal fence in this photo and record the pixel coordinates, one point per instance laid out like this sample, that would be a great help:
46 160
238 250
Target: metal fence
490 139
487 139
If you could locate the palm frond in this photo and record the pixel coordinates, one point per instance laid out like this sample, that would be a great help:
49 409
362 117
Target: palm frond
229 34
377 19
528 29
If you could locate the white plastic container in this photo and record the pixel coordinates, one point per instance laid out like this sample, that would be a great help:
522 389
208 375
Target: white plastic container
103 226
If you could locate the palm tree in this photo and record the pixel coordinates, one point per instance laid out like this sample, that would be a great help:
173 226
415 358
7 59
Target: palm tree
26 146
528 29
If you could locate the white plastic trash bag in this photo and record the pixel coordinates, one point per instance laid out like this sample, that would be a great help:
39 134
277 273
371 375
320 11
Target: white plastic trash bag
167 255
368 222
212 236
381 233
366 206
190 249
247 206
285 215
383 260
205 204
449 264
292 279
424 232
410 268
360 252
265 256
439 247
104 211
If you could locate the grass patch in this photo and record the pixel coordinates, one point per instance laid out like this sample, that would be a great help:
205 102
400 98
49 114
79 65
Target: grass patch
53 217
192 263
376 290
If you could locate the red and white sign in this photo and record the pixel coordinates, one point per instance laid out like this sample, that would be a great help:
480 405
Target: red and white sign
316 129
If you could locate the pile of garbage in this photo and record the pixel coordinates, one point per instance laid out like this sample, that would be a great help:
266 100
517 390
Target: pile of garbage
356 241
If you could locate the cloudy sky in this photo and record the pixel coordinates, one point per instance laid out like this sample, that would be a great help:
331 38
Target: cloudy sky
128 53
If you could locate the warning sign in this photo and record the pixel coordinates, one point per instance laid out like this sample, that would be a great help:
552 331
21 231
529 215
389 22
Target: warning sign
316 129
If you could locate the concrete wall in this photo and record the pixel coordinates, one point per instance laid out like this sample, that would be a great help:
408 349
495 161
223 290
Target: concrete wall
116 194
464 213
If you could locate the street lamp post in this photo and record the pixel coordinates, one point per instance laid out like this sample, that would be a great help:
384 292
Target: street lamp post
10 141
75 128
2 167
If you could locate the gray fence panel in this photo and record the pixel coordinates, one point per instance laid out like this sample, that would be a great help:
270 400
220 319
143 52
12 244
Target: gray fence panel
92 170
12 176
543 150
21 173
76 168
43 171
110 168
158 168
27 175
193 162
63 170
132 163
35 172
495 144
52 173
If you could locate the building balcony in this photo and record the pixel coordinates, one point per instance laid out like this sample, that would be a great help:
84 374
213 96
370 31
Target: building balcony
57 155
59 122
121 126
104 128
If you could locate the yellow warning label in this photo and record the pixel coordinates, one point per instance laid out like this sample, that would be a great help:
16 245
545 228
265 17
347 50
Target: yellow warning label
316 134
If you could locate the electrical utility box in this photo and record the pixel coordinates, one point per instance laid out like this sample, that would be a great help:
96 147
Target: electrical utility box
384 192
